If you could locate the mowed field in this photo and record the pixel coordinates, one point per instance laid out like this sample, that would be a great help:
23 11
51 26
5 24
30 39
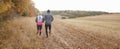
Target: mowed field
92 32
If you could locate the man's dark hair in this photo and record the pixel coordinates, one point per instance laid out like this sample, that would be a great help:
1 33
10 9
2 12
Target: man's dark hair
48 11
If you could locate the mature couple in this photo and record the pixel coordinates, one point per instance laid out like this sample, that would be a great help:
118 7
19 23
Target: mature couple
48 18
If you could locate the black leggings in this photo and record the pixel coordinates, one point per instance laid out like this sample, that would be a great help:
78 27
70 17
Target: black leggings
47 26
39 27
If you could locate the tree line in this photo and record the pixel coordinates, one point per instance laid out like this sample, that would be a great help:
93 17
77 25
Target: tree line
12 8
77 13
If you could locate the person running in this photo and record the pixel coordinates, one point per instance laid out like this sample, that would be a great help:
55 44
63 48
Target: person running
48 18
39 20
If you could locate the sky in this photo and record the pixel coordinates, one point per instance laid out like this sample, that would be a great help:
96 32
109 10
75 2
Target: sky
87 5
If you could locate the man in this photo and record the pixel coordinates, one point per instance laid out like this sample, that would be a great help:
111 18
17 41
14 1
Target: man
48 21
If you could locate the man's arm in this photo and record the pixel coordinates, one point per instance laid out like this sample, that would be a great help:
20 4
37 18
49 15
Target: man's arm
52 17
43 19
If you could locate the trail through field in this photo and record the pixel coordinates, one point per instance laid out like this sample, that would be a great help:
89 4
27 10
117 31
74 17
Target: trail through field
80 33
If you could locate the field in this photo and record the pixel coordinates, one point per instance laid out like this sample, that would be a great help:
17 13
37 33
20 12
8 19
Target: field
94 32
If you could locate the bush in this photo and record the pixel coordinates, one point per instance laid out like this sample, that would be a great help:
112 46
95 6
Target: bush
63 17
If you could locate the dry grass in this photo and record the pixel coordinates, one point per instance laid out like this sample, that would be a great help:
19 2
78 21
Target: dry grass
19 34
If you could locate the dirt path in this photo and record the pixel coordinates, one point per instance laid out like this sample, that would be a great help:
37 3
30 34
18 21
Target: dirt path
71 34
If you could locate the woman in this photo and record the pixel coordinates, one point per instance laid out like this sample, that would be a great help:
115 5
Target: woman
39 21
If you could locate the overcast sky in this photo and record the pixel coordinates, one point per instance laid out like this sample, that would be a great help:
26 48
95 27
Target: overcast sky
87 5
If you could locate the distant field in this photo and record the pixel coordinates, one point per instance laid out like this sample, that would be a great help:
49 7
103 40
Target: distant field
103 24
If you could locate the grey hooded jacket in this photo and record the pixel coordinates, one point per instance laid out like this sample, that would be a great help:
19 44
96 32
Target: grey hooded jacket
48 18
